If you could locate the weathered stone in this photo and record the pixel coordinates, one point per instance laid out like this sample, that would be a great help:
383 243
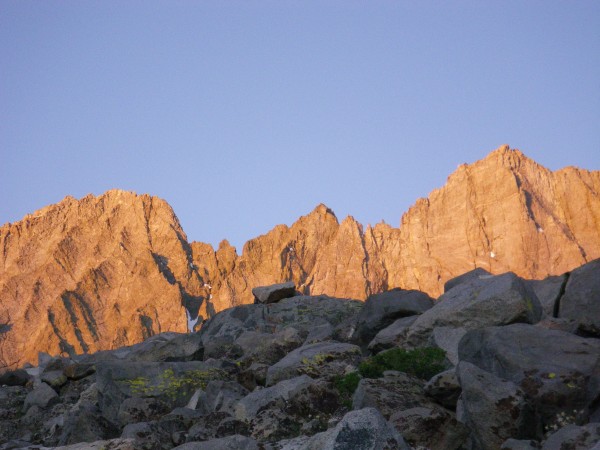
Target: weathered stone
77 371
444 388
448 338
499 300
86 424
253 403
171 382
54 378
392 335
519 444
325 359
274 292
475 274
300 312
42 396
548 291
395 391
365 429
222 396
430 427
139 409
581 301
494 409
557 370
206 426
574 437
235 442
148 435
381 310
18 377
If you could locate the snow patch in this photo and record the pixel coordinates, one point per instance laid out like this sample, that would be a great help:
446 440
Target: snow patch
191 322
492 255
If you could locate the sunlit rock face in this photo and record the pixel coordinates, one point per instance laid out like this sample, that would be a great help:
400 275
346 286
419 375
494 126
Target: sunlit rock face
94 274
107 271
502 213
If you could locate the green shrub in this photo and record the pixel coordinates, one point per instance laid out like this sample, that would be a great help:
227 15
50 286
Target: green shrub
346 385
421 362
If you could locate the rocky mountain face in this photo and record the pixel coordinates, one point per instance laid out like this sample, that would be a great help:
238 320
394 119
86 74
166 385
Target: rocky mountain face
503 213
107 271
497 362
94 274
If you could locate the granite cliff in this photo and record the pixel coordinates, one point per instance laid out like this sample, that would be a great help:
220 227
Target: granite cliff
502 213
107 271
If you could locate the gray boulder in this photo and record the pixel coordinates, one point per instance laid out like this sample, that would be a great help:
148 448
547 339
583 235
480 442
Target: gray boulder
54 378
249 406
493 409
221 395
381 310
142 409
299 312
581 301
392 335
447 338
168 347
173 383
475 274
43 396
274 292
548 292
478 303
444 388
574 437
235 442
558 371
520 444
365 429
396 391
18 377
322 359
86 424
430 427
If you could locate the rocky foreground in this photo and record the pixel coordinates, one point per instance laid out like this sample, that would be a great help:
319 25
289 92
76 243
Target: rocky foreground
496 362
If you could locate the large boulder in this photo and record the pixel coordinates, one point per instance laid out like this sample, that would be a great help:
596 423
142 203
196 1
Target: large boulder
475 274
392 335
43 396
574 437
548 292
173 383
493 409
253 403
18 377
431 427
479 303
365 429
581 301
303 313
168 347
235 442
381 310
274 292
558 371
322 359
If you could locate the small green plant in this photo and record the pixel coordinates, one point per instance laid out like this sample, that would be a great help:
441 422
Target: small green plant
421 362
346 385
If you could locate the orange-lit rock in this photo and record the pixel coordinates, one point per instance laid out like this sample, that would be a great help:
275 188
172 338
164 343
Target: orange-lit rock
97 273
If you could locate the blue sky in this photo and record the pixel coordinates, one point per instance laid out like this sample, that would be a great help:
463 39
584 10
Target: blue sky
245 114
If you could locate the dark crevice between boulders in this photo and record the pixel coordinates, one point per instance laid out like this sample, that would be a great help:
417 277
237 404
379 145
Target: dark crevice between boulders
561 293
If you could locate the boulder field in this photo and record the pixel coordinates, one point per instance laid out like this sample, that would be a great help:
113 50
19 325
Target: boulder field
496 362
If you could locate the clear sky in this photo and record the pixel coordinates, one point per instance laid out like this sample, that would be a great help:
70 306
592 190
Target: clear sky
246 114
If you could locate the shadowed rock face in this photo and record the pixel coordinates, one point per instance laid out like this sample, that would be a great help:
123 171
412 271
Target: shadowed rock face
502 213
107 271
93 274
